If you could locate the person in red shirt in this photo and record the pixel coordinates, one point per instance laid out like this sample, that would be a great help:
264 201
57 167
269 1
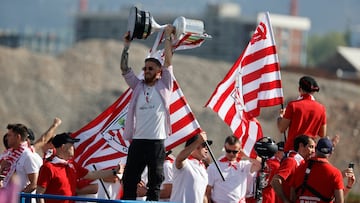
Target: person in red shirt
304 148
61 175
318 181
272 165
304 115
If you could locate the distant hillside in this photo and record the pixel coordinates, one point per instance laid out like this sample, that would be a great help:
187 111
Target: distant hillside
81 82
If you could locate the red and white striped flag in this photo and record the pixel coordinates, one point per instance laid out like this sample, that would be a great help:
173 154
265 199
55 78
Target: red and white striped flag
253 82
101 141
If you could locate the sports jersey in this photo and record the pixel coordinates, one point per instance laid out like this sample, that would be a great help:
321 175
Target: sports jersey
306 117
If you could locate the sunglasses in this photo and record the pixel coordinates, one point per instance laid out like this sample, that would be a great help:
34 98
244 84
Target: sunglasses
231 151
147 68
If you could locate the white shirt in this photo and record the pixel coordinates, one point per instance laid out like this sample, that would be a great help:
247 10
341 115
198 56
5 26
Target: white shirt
189 182
28 163
168 174
150 115
233 189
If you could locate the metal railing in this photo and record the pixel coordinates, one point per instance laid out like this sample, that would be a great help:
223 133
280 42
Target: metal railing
27 197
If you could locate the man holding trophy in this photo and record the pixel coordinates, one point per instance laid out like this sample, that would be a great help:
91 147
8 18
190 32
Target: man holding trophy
148 118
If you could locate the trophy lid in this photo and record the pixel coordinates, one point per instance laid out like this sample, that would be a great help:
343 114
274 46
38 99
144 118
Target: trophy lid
139 23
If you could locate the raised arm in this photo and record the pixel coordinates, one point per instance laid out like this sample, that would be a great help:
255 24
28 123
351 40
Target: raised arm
168 52
47 135
124 56
179 161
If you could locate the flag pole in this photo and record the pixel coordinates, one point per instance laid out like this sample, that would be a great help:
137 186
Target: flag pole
282 107
102 184
267 14
215 162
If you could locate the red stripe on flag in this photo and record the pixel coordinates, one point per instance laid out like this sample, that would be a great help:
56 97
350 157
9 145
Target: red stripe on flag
178 104
254 94
80 148
90 150
108 157
183 139
268 68
230 114
223 97
175 86
176 126
228 76
258 55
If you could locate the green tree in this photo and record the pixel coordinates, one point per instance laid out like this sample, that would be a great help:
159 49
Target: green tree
322 47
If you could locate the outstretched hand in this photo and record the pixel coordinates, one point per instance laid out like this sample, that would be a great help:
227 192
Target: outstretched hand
126 39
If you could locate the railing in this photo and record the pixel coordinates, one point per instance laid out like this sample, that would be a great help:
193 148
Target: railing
26 198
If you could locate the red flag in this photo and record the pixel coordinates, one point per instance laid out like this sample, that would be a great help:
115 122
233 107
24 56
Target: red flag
253 82
101 141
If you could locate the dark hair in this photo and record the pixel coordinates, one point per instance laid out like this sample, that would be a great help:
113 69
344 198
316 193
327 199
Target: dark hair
308 84
5 141
31 136
303 139
20 129
231 140
154 60
191 140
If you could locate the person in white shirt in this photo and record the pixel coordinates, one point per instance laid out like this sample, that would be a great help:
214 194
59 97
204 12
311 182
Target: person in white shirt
148 118
235 172
24 161
189 173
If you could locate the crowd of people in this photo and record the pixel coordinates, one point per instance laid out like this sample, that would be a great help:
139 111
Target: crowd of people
299 171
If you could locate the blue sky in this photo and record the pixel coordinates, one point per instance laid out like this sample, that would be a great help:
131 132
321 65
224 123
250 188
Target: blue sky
325 15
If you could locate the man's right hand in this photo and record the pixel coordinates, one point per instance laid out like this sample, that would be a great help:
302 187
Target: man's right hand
126 39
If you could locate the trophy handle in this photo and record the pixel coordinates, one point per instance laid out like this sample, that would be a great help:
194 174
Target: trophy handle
155 27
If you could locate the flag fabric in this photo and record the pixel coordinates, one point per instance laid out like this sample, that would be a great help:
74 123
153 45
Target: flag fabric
253 82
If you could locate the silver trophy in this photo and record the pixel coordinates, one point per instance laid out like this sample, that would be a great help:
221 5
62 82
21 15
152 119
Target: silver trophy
141 25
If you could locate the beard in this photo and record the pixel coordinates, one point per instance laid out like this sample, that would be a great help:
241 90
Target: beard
149 78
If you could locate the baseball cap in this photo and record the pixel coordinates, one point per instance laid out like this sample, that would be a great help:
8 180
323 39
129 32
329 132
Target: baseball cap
63 138
324 146
308 84
194 138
